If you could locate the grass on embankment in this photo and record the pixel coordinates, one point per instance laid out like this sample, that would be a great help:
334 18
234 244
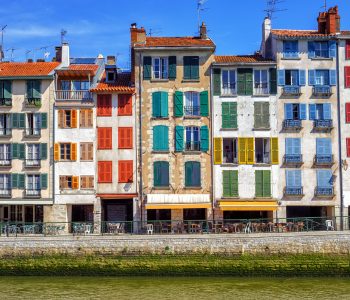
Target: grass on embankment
174 265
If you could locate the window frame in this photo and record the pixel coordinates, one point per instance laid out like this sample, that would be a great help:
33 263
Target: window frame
229 84
66 150
163 67
189 98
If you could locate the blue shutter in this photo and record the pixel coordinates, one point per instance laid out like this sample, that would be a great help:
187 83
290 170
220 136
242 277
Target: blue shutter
302 77
156 104
319 147
311 49
312 77
204 138
302 111
297 178
332 77
289 178
324 178
323 146
281 77
179 138
296 146
328 146
327 114
332 48
289 146
164 104
312 111
288 111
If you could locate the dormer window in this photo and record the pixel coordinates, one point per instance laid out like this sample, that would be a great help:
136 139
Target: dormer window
110 76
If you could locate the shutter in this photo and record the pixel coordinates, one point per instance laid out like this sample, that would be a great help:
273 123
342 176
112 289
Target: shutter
327 114
7 89
172 67
75 182
204 134
204 106
242 151
164 104
240 82
347 77
289 178
147 64
233 114
225 115
348 147
302 111
61 118
73 154
21 181
249 82
319 146
250 151
289 146
312 77
257 115
43 181
156 104
160 138
332 48
89 118
194 67
15 120
312 111
188 173
347 50
165 173
14 150
347 112
216 82
21 151
22 121
179 138
29 85
258 183
43 151
273 81
332 77
187 67
281 77
57 152
274 151
302 77
297 178
157 173
265 121
37 89
328 146
266 183
217 151
44 120
234 183
178 104
226 185
14 180
165 138
311 49
74 118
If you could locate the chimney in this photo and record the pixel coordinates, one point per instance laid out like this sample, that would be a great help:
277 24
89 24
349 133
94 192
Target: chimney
65 62
30 60
137 36
58 56
329 22
111 69
265 48
203 31
40 60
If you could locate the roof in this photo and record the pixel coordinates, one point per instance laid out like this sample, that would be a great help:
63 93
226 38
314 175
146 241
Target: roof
304 33
227 59
27 69
175 42
78 70
122 85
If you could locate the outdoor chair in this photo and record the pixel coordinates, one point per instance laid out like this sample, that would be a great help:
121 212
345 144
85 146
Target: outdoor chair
149 228
247 228
164 228
329 225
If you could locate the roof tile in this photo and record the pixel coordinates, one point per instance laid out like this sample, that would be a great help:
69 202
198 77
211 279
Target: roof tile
240 59
176 42
26 69
122 85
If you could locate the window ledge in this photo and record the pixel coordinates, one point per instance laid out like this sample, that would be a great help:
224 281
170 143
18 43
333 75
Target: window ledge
229 164
191 80
261 129
160 152
228 129
230 197
261 95
193 117
159 80
159 118
228 95
191 152
322 58
167 188
262 165
192 188
290 58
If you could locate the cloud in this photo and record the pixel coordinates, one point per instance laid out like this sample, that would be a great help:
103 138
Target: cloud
32 31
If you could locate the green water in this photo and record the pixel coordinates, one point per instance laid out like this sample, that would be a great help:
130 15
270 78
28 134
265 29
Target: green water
172 288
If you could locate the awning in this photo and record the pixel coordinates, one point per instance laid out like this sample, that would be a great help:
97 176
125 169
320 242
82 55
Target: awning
248 205
178 206
178 201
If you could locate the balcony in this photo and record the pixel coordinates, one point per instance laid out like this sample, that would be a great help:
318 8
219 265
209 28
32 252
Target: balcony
292 125
192 111
293 160
261 90
5 160
229 89
32 193
5 102
5 193
323 125
324 192
32 132
5 132
293 191
71 95
192 146
32 163
324 91
33 102
325 160
291 91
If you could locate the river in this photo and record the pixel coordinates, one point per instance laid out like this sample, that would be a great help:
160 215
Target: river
172 288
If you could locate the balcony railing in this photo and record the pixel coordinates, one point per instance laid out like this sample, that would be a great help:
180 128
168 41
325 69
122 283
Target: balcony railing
5 132
261 90
32 193
5 159
291 54
192 111
323 160
6 102
323 124
192 146
71 95
292 124
293 159
324 191
5 193
32 162
228 89
33 102
33 132
293 191
322 91
291 90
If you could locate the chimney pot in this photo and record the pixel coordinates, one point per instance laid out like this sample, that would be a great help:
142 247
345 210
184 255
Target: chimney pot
203 31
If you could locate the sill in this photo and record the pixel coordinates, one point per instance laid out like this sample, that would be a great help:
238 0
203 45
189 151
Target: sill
191 80
230 197
262 164
81 127
192 188
228 129
161 188
159 118
262 197
322 58
229 164
86 160
101 182
228 95
192 117
290 58
191 152
261 129
261 95
159 80
87 189
160 152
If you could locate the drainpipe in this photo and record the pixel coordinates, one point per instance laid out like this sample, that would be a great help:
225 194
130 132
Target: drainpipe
53 138
140 142
339 144
211 115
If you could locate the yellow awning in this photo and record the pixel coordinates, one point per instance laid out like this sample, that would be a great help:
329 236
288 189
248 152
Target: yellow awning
248 205
178 206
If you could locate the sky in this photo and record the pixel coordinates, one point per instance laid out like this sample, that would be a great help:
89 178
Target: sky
95 27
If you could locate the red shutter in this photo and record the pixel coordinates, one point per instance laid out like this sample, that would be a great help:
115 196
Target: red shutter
347 50
104 105
125 137
124 105
125 171
104 138
104 171
347 112
348 147
347 77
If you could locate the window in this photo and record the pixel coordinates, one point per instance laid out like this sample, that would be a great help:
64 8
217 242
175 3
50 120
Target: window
246 150
324 179
80 85
261 86
67 118
33 182
161 174
321 49
160 68
160 104
104 171
261 115
5 154
293 178
348 147
86 182
245 82
33 154
347 77
160 138
33 125
262 183
125 168
230 150
347 49
320 111
104 138
5 184
290 49
66 182
294 111
110 76
191 67
262 150
229 115
228 82
192 139
5 92
124 105
347 112
192 174
192 105
33 90
5 124
293 146
125 137
322 77
86 151
104 105
292 77
86 118
324 150
230 183
65 151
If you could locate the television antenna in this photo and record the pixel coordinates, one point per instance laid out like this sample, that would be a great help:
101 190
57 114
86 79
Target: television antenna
12 50
154 31
27 54
2 56
325 5
46 53
272 7
63 35
200 8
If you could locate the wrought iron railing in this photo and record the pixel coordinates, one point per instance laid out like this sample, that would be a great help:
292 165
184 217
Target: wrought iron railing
293 158
292 124
5 102
323 159
261 89
323 124
5 192
293 191
5 131
324 191
32 162
228 89
71 95
322 90
192 146
291 90
35 132
5 159
33 193
32 102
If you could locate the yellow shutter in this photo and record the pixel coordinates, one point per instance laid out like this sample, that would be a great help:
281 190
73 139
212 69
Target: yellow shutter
250 151
218 151
73 153
274 151
56 152
75 182
61 118
242 155
74 118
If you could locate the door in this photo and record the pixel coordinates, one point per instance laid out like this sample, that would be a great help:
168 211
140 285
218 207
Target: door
116 213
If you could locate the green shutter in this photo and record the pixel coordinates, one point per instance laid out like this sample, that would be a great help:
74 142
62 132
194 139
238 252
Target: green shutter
164 104
178 104
156 98
273 81
229 114
259 183
188 173
172 67
241 81
21 181
249 82
161 173
257 115
179 138
15 120
195 67
160 138
14 180
204 134
216 82
245 82
44 120
266 183
37 89
43 151
21 151
43 181
187 67
7 89
226 187
234 183
230 183
147 65
265 115
165 138
156 173
14 150
204 106
22 121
